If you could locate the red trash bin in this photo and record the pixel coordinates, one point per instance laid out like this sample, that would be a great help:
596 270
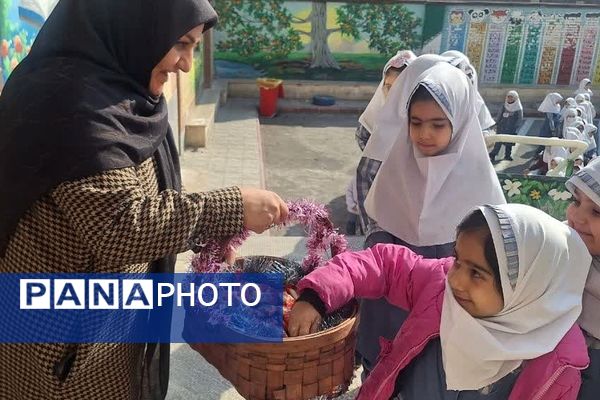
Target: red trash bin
270 91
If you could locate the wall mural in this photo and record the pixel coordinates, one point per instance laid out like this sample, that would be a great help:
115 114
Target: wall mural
20 21
312 40
526 45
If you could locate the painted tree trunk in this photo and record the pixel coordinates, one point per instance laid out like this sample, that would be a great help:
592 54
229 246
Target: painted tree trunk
321 54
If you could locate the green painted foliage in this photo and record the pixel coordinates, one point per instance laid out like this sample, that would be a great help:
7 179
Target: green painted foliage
254 26
389 27
4 5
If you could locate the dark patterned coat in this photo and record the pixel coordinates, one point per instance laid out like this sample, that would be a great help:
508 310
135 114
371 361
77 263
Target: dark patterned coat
114 222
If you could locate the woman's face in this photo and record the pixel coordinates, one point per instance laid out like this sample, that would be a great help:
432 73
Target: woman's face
578 162
179 58
471 278
583 215
588 85
510 99
570 119
553 164
430 129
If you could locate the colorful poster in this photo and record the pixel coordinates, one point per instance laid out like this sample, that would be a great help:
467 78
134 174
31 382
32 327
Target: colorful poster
513 47
589 39
476 36
531 48
567 58
457 31
495 44
551 42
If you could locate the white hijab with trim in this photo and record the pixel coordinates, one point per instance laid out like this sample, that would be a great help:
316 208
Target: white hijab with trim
368 117
382 139
422 199
549 104
543 268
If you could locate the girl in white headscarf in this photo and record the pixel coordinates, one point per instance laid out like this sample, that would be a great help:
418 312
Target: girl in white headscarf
508 122
379 318
494 322
392 69
551 109
569 118
585 86
438 149
556 167
587 98
582 215
570 103
587 107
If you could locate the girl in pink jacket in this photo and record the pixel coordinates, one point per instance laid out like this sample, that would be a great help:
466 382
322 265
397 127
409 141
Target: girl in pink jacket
496 321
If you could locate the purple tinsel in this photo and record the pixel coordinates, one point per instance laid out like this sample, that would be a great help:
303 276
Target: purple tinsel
321 236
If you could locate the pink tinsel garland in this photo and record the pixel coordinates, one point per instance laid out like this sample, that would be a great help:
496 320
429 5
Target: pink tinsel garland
321 235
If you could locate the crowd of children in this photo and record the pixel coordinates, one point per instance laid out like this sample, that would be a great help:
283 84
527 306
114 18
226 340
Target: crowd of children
462 295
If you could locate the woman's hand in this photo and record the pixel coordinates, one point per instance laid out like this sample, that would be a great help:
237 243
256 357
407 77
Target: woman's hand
304 319
262 209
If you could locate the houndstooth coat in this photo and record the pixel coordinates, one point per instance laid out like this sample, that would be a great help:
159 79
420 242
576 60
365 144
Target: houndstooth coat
116 221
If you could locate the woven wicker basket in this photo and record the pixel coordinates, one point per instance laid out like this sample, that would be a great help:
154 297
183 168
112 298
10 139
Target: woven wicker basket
298 368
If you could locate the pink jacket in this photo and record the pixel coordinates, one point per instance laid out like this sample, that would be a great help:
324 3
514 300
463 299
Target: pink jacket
411 282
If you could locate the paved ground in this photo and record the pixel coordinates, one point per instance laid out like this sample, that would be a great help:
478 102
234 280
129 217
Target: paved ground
311 156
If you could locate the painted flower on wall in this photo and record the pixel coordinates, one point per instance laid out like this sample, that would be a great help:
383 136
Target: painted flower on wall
559 195
535 194
512 187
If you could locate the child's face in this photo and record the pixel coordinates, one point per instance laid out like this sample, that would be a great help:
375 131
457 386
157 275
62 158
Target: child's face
390 78
583 215
471 277
430 129
553 164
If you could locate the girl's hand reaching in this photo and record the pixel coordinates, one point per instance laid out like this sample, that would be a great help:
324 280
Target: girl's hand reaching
304 319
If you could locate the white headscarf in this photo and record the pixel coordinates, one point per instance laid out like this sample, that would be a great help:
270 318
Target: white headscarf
367 119
422 199
462 61
382 139
588 131
516 105
587 180
569 117
559 170
588 108
570 103
543 266
582 88
555 151
549 104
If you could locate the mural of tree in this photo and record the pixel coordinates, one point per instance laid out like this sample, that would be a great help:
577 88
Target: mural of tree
389 27
319 34
254 26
